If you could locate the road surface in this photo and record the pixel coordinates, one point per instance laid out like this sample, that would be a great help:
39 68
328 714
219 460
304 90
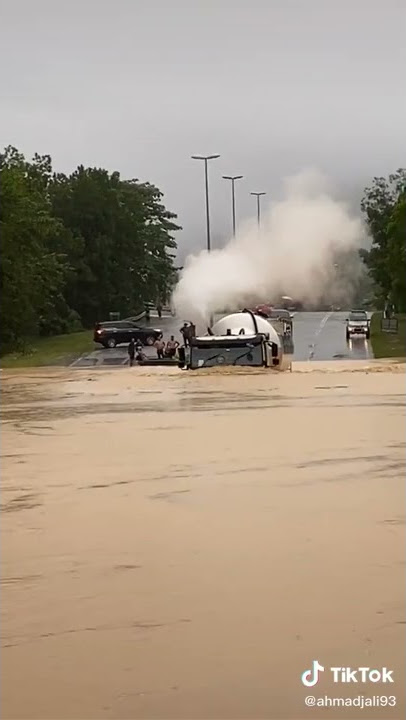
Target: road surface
321 336
317 336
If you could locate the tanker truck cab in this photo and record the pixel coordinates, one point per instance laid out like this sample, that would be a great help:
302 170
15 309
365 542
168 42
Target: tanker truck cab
357 323
242 338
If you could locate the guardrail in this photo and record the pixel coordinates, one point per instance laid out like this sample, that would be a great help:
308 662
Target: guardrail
116 316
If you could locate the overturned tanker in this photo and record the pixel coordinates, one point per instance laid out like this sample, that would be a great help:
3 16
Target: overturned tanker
244 339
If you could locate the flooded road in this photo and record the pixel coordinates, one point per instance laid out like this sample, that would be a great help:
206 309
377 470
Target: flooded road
317 336
182 546
321 336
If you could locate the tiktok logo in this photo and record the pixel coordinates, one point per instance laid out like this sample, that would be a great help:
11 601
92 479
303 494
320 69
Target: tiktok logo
311 677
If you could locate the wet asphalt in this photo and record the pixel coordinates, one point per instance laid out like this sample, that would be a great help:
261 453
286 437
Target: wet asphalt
316 335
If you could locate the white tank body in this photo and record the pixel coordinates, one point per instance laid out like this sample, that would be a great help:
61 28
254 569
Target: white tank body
244 321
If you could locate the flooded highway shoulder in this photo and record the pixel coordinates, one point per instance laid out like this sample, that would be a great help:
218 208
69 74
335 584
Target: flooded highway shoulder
183 544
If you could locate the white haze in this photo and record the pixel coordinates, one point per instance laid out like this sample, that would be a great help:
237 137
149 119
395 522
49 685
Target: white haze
295 252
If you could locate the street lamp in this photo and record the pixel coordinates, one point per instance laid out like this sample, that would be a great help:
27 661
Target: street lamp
258 196
206 159
233 178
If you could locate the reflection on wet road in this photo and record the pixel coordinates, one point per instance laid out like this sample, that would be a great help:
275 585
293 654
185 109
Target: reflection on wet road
321 336
317 336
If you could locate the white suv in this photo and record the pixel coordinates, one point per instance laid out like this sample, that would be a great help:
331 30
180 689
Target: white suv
357 324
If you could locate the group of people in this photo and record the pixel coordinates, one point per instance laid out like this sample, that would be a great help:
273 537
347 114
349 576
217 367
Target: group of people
166 350
163 349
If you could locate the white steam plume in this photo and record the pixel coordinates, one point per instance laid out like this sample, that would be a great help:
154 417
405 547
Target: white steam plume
294 254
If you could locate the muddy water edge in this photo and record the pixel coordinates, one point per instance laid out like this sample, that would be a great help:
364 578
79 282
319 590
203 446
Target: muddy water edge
179 545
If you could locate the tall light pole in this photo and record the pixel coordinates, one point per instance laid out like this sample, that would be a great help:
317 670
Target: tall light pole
206 159
233 178
258 196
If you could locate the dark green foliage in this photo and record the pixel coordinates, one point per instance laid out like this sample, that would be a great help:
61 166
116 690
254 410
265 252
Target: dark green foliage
384 205
74 248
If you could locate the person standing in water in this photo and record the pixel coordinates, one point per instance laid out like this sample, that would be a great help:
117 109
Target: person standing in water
192 331
139 350
160 347
171 347
185 332
131 351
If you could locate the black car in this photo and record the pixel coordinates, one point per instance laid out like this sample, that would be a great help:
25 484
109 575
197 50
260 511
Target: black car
109 334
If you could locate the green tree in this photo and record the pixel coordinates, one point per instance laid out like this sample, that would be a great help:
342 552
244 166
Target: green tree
159 244
383 206
396 249
32 275
120 242
76 247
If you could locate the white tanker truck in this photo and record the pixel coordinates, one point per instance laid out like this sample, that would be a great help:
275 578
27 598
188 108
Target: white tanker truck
243 339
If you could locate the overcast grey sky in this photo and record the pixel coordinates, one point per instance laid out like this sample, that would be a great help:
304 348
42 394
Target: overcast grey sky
272 85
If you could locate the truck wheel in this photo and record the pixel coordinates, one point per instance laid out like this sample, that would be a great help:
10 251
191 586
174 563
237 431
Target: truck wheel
149 340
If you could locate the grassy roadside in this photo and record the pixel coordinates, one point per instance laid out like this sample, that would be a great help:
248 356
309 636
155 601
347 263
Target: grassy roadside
57 350
386 345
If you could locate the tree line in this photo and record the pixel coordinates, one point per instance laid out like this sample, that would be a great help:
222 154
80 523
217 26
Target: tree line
76 247
384 208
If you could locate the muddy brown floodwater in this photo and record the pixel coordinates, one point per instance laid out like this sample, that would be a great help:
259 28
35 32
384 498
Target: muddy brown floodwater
184 545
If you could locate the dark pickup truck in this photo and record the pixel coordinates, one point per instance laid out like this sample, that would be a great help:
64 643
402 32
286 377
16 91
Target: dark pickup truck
118 332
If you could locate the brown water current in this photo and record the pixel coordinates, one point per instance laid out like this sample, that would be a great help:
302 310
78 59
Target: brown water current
181 545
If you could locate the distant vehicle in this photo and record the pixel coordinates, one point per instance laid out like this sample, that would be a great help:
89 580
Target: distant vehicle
289 303
263 310
281 313
357 324
267 311
112 333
